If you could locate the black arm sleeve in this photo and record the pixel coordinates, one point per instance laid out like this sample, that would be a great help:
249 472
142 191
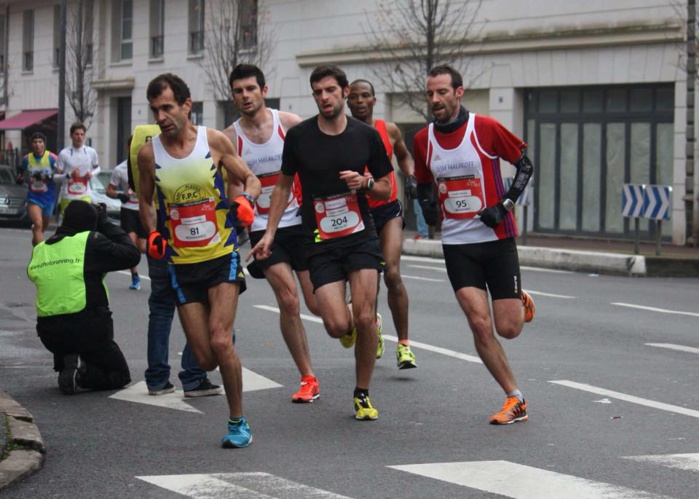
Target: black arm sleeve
525 170
427 197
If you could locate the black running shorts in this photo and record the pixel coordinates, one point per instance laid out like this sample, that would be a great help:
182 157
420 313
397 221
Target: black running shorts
334 264
385 213
492 265
288 246
192 281
131 222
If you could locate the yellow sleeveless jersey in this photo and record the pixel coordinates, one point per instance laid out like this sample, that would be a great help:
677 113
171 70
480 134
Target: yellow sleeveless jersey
191 198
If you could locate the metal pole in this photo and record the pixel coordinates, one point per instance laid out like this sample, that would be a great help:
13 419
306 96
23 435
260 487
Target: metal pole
637 242
658 236
61 132
524 225
692 226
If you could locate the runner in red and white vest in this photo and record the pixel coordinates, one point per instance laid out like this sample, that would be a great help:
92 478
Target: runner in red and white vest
460 152
259 138
388 215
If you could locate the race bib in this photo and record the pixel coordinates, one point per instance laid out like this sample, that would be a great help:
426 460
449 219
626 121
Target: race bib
194 224
460 197
77 186
264 201
338 216
38 186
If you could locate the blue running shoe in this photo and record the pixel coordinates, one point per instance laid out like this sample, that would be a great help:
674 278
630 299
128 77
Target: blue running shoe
239 434
135 282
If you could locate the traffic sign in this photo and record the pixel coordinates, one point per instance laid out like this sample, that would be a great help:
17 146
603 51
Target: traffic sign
656 202
632 200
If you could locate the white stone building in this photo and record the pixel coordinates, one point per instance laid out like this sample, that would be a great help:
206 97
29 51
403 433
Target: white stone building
596 88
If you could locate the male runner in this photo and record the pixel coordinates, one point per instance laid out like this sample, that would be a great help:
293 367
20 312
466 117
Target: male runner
330 153
388 215
37 170
129 219
78 163
259 138
461 152
187 167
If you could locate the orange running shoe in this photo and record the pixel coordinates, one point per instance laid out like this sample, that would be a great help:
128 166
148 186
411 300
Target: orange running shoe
308 392
529 307
512 411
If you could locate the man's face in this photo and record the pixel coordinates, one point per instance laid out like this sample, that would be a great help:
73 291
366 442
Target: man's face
329 97
248 97
169 115
443 99
78 137
361 101
38 147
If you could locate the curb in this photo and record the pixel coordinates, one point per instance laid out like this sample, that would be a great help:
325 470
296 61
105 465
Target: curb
562 259
25 448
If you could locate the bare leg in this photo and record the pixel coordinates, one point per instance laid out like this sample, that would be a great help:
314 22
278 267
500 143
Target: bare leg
391 246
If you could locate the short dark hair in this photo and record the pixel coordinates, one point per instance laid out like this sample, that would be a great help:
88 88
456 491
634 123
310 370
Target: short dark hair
38 135
246 71
326 70
179 88
76 126
360 80
456 79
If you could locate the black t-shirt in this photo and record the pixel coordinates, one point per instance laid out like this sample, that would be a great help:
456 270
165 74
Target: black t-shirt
318 158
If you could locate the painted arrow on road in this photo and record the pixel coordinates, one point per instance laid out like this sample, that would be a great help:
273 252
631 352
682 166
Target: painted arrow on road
138 393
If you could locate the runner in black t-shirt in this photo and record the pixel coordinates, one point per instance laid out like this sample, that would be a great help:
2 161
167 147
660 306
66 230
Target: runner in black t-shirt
330 153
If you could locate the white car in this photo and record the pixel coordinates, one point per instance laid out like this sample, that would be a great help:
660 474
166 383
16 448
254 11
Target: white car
98 185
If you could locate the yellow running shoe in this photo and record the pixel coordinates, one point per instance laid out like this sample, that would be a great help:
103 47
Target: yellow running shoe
405 357
379 328
349 339
529 307
364 410
513 410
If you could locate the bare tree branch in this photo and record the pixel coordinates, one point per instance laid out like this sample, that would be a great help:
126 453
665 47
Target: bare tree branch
237 32
80 41
413 36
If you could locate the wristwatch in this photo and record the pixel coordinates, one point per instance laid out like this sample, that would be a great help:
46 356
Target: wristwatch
508 204
370 184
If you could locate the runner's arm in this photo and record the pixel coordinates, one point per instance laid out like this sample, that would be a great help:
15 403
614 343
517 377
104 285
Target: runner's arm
278 203
405 160
146 183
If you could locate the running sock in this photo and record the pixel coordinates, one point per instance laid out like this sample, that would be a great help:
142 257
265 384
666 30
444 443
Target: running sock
516 393
235 421
361 392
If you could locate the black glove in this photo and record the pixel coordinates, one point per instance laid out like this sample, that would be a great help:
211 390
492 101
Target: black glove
38 176
411 187
493 215
19 180
123 198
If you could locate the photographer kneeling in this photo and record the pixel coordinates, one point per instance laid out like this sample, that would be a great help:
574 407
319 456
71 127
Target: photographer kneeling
74 321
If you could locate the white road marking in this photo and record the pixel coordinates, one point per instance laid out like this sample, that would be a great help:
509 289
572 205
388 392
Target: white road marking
549 295
519 481
415 344
550 271
237 485
138 393
685 462
424 259
128 273
628 398
655 309
426 267
670 346
421 278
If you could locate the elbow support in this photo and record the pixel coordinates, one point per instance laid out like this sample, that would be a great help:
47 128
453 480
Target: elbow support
525 170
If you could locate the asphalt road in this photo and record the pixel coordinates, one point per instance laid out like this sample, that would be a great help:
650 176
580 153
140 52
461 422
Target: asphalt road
608 368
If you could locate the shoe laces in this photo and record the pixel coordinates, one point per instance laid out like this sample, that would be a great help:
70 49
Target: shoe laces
510 404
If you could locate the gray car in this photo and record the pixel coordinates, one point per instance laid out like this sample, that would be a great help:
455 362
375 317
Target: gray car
13 197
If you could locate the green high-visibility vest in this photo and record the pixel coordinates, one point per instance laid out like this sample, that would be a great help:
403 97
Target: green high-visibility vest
57 271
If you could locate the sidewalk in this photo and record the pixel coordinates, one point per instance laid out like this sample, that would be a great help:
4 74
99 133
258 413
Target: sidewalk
22 449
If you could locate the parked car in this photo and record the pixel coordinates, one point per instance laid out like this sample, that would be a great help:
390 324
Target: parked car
13 197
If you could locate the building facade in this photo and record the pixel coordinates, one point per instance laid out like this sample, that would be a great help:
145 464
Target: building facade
596 88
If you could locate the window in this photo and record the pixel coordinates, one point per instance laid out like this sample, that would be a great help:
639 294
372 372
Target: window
157 28
196 26
248 23
126 30
89 31
2 44
197 116
28 41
